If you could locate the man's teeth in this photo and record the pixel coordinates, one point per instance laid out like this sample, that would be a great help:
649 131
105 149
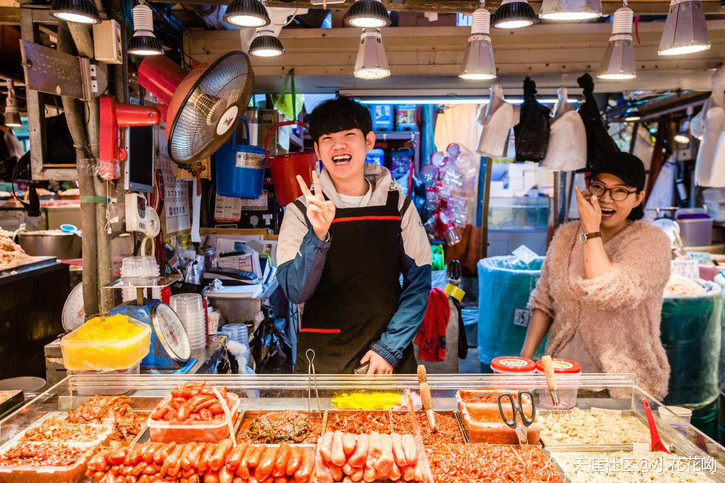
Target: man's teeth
341 159
608 212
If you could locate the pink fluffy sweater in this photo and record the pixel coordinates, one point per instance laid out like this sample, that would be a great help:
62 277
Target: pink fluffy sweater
617 314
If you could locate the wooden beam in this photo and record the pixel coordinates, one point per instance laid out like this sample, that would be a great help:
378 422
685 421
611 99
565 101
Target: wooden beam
436 53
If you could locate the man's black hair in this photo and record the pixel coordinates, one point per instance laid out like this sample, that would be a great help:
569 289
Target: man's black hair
340 114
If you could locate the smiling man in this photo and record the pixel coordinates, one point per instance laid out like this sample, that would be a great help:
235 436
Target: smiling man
342 249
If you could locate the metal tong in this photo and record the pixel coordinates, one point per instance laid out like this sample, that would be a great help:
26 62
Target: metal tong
312 379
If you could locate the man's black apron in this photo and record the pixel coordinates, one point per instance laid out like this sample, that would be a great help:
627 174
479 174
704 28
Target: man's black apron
359 290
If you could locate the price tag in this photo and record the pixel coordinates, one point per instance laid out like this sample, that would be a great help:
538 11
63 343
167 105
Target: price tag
686 268
525 254
701 257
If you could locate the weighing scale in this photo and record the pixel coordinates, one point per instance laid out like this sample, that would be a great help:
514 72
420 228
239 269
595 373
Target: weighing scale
170 351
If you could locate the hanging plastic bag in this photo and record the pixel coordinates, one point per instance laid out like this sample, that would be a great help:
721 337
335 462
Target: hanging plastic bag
598 139
532 131
289 102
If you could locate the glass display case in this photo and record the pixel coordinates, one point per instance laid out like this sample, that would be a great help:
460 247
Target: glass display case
604 435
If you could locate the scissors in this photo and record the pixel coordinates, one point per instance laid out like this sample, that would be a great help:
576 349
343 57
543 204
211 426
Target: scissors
519 424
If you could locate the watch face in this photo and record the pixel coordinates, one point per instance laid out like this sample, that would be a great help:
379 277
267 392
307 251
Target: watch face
583 238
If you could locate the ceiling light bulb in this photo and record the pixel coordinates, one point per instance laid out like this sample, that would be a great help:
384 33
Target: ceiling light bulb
368 14
247 13
685 30
570 10
682 137
144 42
618 61
514 14
371 62
12 110
265 44
478 63
75 11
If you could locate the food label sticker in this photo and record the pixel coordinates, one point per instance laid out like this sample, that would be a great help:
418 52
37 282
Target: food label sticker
686 268
525 254
701 257
227 208
513 362
522 317
250 160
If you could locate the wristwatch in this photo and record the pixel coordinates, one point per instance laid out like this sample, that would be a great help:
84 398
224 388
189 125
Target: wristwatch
585 237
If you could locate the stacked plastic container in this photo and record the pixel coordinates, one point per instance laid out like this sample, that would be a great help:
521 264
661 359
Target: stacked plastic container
190 309
137 271
237 333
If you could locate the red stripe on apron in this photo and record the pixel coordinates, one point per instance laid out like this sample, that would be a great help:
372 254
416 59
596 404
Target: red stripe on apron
366 218
321 331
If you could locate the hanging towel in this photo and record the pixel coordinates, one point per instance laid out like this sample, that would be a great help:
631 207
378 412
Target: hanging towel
431 337
598 139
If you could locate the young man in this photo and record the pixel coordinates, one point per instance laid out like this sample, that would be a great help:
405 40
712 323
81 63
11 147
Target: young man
343 248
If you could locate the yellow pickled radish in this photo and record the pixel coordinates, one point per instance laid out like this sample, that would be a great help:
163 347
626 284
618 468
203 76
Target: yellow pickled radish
107 327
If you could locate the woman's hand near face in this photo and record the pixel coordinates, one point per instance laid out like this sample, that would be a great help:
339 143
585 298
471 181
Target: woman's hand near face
590 213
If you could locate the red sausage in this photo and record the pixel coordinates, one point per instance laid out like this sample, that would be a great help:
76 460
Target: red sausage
171 460
195 456
384 463
323 474
281 460
369 474
266 464
398 452
326 446
358 475
226 475
337 455
304 472
117 456
336 473
162 453
243 469
348 444
186 455
411 452
211 477
360 454
220 454
376 445
253 459
203 464
234 458
348 470
295 460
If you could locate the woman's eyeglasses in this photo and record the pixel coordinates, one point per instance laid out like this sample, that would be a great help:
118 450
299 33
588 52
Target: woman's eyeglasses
618 193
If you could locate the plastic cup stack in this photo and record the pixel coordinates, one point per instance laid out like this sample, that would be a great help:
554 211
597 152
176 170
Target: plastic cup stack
136 271
237 333
190 309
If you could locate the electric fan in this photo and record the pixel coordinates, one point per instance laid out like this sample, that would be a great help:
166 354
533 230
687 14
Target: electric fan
201 108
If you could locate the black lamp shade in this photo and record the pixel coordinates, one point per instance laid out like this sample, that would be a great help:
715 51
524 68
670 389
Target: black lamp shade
78 11
266 46
145 45
512 12
367 14
247 13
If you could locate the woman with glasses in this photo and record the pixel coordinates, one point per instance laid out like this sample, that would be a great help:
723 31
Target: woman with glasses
600 293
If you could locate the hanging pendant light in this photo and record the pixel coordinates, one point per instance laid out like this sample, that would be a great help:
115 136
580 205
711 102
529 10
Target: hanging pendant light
564 10
618 61
371 62
247 13
12 110
144 42
75 11
478 63
685 29
368 14
266 44
513 14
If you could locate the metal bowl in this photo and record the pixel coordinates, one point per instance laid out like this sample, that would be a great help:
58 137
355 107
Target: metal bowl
63 246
